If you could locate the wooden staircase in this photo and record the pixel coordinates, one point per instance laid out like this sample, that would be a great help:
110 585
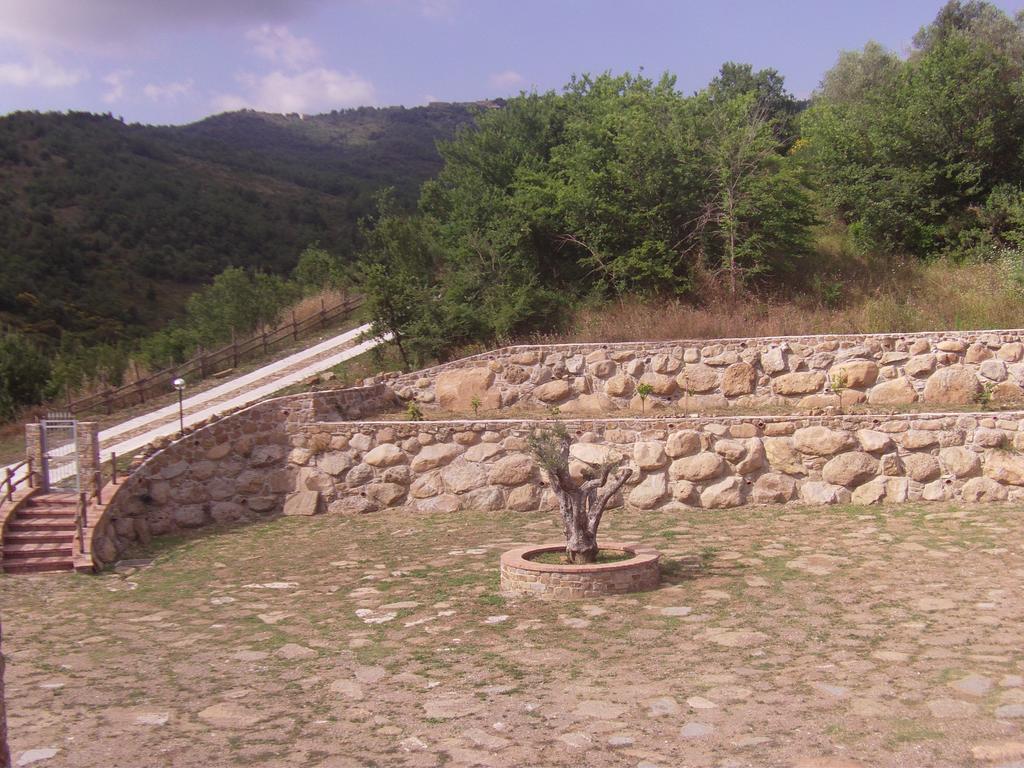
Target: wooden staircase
41 535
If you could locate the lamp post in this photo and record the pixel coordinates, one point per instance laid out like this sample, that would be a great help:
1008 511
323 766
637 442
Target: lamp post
179 384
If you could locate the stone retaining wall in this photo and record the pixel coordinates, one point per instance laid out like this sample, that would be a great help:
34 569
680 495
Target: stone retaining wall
231 470
707 376
678 465
248 464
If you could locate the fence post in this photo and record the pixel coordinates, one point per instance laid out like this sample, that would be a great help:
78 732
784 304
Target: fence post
323 313
10 484
234 349
202 363
113 468
31 474
82 523
138 381
108 400
295 327
264 339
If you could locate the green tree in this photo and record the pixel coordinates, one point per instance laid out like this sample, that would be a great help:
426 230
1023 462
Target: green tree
318 269
396 272
757 211
237 302
768 89
906 151
24 373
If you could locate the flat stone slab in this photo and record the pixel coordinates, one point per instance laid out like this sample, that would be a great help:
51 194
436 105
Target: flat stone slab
302 503
696 731
32 756
229 715
973 685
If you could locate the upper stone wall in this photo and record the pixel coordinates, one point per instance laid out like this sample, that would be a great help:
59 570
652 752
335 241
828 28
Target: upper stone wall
882 370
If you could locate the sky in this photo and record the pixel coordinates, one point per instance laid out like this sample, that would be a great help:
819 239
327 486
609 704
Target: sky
177 61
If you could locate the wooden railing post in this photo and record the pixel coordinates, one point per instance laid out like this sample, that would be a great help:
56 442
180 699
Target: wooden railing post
81 521
295 327
31 474
113 468
10 484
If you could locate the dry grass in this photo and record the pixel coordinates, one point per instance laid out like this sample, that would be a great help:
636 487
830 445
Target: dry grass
838 289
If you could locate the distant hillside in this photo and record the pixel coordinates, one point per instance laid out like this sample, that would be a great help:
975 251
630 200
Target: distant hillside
106 227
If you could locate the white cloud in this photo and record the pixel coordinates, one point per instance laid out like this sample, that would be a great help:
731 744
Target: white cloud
102 25
507 79
279 45
167 91
41 73
116 81
314 90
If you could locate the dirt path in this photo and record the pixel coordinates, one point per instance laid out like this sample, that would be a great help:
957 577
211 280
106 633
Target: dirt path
839 637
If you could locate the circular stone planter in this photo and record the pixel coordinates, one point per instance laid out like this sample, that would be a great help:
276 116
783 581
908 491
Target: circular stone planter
522 576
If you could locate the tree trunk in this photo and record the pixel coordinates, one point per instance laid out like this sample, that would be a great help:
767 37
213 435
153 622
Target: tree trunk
581 546
582 505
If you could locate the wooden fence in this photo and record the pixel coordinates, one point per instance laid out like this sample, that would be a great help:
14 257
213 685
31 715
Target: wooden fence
211 361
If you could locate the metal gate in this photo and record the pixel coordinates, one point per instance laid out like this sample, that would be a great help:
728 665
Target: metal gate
59 436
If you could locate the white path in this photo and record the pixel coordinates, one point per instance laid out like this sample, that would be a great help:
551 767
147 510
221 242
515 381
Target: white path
133 434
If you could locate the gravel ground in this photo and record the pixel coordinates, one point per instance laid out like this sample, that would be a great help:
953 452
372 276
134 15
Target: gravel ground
781 636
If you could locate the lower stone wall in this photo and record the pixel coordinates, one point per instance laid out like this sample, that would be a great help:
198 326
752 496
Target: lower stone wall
232 470
245 466
713 464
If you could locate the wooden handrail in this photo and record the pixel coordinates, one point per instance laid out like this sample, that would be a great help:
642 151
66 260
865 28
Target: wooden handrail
10 484
81 520
211 360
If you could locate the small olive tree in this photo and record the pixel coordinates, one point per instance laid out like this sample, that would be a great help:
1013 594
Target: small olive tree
581 504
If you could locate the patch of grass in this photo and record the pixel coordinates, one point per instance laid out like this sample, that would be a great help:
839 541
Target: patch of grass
906 731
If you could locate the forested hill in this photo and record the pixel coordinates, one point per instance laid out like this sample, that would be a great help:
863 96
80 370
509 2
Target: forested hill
105 228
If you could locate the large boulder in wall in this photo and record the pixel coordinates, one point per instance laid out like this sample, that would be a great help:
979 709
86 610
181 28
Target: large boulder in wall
455 390
955 385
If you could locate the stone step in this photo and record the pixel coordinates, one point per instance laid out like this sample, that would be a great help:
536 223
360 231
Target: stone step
17 525
38 512
39 537
50 505
37 549
39 565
